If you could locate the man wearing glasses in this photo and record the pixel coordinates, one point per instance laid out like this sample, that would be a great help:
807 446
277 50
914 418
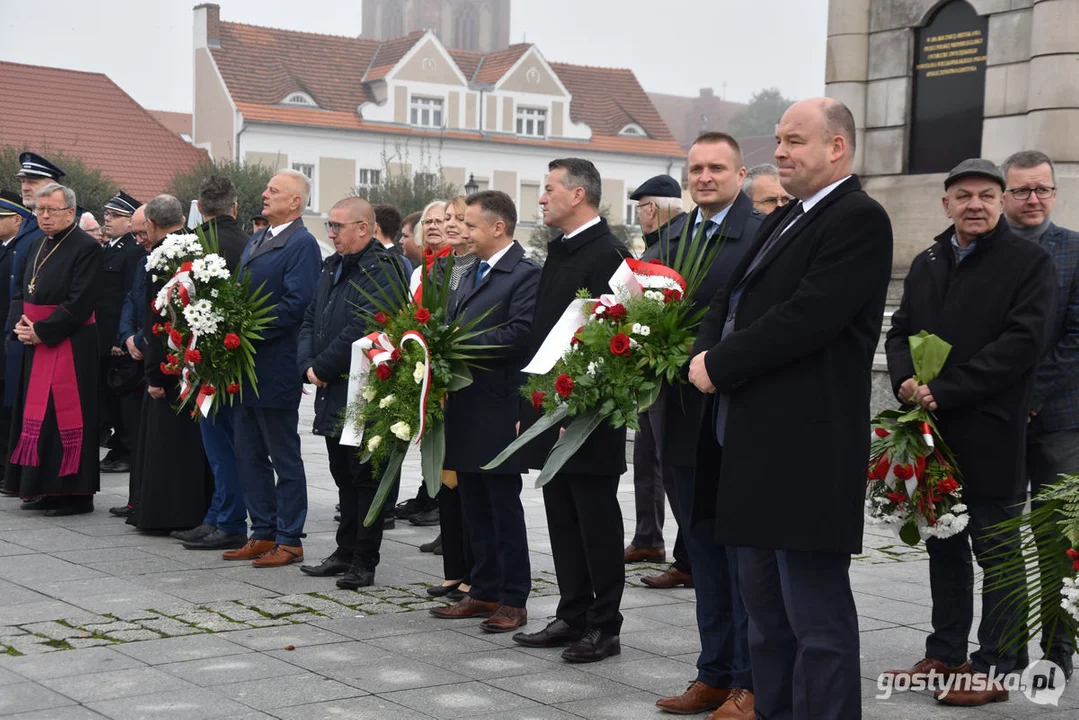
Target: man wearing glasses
1053 432
763 188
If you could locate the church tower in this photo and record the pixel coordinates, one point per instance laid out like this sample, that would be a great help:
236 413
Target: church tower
480 25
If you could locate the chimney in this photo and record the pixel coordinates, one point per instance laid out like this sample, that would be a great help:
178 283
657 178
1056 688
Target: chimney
707 93
208 25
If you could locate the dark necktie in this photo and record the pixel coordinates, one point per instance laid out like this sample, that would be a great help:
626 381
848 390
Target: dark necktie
481 269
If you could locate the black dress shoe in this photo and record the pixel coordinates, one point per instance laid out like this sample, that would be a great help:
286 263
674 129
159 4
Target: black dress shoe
557 634
389 523
42 502
115 466
442 590
337 518
1063 659
356 578
195 533
456 594
425 518
218 539
81 506
432 546
593 647
329 567
408 508
121 510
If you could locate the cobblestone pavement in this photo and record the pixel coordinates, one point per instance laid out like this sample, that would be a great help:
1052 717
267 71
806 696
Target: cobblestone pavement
98 620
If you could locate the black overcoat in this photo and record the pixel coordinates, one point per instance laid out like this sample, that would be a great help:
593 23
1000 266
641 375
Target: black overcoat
797 370
481 419
119 263
995 308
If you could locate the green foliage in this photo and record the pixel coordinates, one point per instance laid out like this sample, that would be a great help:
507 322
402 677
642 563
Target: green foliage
250 180
407 188
92 188
765 109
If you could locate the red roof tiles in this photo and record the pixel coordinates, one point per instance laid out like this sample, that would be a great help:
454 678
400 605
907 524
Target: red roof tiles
86 115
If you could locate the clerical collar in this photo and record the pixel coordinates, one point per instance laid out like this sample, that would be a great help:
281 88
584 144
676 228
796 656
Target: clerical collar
276 230
578 231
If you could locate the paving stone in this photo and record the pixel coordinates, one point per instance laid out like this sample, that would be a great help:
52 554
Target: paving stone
82 643
114 684
52 630
210 672
631 706
134 635
234 611
278 637
211 622
294 689
180 649
460 700
70 663
361 708
170 627
273 607
197 704
28 697
111 627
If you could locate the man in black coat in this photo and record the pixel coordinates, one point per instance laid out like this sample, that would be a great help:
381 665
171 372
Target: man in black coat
788 346
336 318
121 257
225 523
583 515
725 217
991 295
481 419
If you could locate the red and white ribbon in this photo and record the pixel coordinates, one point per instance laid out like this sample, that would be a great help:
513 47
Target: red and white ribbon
425 386
181 285
927 435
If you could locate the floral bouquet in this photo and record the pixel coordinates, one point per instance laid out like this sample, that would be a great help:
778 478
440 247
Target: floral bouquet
417 358
606 358
913 479
210 320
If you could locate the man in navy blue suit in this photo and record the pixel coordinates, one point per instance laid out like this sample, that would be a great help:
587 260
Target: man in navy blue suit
284 259
481 419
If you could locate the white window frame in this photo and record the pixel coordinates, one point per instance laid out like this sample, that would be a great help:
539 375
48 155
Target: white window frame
426 111
369 177
300 167
299 99
633 130
531 121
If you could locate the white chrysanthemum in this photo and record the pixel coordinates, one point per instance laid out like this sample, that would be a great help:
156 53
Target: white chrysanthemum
653 295
591 369
959 508
209 268
600 309
385 402
419 373
636 329
645 331
374 443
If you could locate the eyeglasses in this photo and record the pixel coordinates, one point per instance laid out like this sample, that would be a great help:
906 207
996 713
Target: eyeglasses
113 214
435 221
43 211
1043 193
780 200
141 235
335 227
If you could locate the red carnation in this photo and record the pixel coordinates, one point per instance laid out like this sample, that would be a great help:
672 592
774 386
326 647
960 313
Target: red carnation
157 329
233 388
576 336
670 295
881 432
176 337
897 498
173 360
384 371
395 355
381 318
193 356
165 369
904 472
422 315
231 341
168 327
1075 564
563 385
1073 553
881 470
620 345
537 399
617 312
947 486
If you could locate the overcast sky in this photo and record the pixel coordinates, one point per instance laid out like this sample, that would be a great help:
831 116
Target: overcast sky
674 46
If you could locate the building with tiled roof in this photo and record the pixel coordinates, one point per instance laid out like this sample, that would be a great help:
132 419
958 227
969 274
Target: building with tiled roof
87 116
345 110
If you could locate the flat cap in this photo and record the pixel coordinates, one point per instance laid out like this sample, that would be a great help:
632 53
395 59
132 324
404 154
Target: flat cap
123 203
658 186
976 167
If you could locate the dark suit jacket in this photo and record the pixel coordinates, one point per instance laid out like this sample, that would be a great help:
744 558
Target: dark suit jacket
797 369
686 410
995 308
287 267
120 262
586 261
481 418
231 239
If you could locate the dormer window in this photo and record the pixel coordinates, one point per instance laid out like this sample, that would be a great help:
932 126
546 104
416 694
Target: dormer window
633 130
531 122
426 111
300 99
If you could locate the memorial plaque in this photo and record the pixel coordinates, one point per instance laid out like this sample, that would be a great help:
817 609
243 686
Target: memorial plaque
949 89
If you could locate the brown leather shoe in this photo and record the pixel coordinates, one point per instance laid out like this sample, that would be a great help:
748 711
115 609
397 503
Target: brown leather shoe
697 698
279 555
634 554
253 549
467 607
972 689
506 618
739 706
672 578
924 667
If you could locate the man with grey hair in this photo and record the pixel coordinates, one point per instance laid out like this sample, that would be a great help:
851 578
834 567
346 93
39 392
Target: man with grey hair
89 223
169 487
55 416
763 188
285 261
1053 431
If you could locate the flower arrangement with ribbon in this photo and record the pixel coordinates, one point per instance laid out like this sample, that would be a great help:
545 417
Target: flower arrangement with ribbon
913 482
209 321
399 377
607 357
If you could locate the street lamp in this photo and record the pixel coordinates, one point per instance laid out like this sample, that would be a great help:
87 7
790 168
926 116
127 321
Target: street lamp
471 187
